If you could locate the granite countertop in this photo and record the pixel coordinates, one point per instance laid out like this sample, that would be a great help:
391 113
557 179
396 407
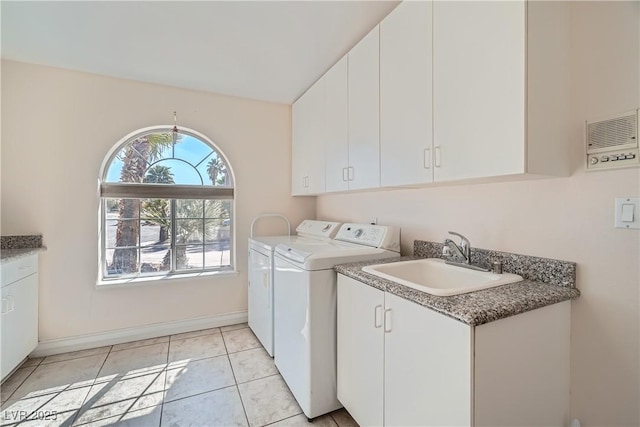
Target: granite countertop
484 306
14 247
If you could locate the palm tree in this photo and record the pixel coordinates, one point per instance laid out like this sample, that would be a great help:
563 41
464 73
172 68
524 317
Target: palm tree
136 157
159 174
217 171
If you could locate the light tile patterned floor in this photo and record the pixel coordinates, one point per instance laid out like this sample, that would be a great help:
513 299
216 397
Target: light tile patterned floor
213 377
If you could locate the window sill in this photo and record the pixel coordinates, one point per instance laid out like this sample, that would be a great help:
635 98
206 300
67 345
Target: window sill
153 280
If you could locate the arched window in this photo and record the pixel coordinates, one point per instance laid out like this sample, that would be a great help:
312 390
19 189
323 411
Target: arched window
167 205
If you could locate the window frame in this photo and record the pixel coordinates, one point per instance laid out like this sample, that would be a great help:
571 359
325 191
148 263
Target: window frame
170 192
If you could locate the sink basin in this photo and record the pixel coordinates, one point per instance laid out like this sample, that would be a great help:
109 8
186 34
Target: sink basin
435 277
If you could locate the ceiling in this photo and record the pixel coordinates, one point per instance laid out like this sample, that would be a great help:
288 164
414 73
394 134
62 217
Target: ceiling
267 50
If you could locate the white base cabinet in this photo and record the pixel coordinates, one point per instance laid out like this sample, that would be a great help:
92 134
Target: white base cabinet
401 364
19 312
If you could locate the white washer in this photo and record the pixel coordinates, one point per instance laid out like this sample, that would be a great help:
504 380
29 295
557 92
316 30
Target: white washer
261 269
305 308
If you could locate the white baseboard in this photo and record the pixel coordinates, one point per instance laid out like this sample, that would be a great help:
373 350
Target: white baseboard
83 342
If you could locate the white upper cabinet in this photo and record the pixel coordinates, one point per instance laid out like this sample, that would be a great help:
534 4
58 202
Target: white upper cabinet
441 91
479 89
364 113
308 118
336 143
406 95
500 89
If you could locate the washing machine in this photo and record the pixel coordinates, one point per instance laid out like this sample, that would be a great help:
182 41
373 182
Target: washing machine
305 308
261 280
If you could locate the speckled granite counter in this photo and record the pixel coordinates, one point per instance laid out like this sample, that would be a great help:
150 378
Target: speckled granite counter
13 247
545 282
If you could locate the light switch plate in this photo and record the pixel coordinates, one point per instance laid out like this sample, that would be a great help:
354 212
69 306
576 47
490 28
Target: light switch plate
627 214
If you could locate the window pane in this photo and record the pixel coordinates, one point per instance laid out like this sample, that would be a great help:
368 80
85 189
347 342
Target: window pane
110 233
172 171
160 173
214 171
189 208
155 258
191 149
122 261
216 230
155 221
217 209
153 233
189 231
189 257
217 255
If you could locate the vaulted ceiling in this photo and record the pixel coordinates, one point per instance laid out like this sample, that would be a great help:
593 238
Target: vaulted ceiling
267 50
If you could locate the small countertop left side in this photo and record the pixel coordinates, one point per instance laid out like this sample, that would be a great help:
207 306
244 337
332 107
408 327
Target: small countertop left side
14 247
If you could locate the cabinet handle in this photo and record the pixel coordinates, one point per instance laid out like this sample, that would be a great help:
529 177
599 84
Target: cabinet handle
350 174
345 174
387 320
12 303
377 316
5 306
427 158
437 162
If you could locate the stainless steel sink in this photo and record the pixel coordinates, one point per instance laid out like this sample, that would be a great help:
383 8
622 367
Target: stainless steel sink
433 276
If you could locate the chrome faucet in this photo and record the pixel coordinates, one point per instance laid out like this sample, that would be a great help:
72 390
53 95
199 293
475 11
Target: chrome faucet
463 252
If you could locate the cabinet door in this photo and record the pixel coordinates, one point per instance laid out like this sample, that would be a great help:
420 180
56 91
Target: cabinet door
19 323
315 161
406 95
336 143
478 89
308 121
427 367
300 145
364 112
360 351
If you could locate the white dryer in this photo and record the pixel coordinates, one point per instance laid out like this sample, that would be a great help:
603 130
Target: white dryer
260 293
305 308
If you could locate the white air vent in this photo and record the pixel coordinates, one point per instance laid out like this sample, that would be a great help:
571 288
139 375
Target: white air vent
613 142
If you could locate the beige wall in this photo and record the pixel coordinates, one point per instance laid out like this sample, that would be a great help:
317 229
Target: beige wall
58 125
568 218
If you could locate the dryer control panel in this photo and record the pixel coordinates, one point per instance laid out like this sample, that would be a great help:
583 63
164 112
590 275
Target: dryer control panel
318 229
377 236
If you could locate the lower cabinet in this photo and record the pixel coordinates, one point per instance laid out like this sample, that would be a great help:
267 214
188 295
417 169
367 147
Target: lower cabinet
19 312
401 364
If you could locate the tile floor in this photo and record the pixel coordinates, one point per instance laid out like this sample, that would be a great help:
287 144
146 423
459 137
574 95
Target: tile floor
213 377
